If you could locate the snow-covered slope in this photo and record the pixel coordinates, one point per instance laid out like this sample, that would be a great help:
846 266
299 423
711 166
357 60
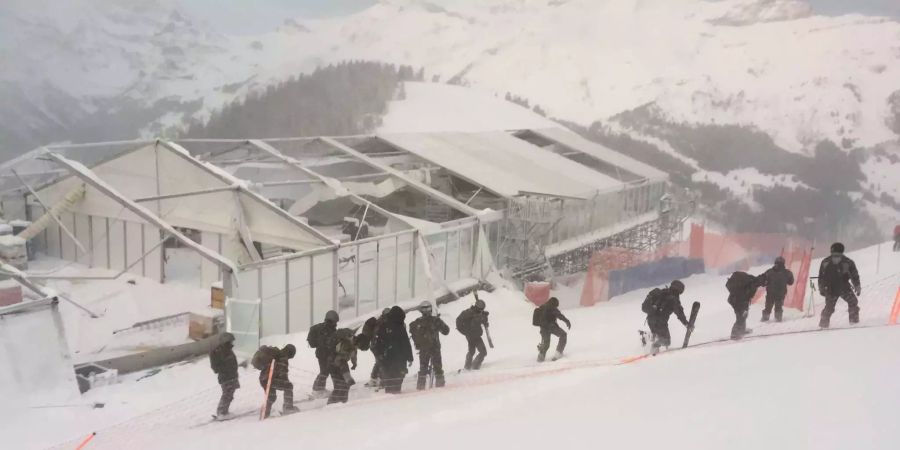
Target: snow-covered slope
768 63
431 107
820 390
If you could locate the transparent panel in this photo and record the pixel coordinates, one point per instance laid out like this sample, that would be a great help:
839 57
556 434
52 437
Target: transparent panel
100 252
300 313
323 285
274 299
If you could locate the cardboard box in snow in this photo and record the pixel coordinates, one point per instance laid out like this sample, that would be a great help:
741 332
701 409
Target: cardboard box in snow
204 324
12 250
217 296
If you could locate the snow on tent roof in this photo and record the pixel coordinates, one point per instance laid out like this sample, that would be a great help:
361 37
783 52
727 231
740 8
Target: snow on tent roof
576 142
504 164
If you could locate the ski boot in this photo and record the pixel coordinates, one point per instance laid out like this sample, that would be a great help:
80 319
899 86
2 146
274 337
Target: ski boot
556 356
824 322
222 417
289 410
765 317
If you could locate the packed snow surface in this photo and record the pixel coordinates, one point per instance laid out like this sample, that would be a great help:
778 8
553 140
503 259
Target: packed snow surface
820 390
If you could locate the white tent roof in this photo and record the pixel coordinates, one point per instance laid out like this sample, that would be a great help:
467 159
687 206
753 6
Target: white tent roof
503 163
576 142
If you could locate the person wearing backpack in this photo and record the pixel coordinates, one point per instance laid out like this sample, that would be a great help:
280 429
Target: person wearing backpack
373 327
343 345
224 364
545 317
777 279
425 332
470 323
317 338
838 278
659 306
280 379
741 288
392 345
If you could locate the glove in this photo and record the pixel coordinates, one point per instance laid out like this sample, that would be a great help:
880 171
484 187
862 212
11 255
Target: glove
569 325
353 367
857 289
486 313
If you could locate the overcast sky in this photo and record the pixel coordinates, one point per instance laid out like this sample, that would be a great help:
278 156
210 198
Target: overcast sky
254 16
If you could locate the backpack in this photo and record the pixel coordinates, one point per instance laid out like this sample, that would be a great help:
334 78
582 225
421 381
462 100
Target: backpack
341 343
654 302
739 282
464 321
422 336
314 337
537 317
263 357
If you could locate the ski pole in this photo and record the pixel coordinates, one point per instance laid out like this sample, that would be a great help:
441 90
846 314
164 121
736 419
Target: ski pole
262 411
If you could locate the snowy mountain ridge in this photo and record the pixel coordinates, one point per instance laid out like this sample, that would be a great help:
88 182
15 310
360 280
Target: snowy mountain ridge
770 64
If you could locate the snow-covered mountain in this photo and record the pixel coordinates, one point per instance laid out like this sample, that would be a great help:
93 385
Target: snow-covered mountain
765 63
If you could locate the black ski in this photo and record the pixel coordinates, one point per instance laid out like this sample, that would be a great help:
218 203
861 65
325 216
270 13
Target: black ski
695 309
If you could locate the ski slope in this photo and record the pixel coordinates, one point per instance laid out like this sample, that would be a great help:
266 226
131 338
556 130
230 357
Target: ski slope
817 390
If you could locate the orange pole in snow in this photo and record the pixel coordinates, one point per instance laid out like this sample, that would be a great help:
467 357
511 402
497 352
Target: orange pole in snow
895 311
85 441
262 411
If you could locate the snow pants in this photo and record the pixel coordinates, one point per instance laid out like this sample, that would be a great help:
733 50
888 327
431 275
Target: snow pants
776 300
342 380
475 343
322 377
659 327
228 389
278 385
430 361
554 330
831 302
393 374
739 329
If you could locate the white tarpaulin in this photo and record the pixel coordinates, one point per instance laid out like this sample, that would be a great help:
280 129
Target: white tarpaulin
504 164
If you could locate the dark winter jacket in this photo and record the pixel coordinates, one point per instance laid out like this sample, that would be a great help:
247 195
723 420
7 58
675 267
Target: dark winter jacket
426 331
282 369
392 341
661 303
837 274
777 279
473 320
223 362
318 337
742 287
550 315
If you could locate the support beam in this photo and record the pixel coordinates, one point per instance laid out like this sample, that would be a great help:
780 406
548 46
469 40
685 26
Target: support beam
91 179
52 213
421 187
185 194
47 294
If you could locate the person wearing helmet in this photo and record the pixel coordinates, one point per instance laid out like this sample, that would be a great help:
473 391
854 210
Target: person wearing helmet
838 278
659 306
318 337
470 323
548 315
742 287
280 380
425 332
224 364
777 279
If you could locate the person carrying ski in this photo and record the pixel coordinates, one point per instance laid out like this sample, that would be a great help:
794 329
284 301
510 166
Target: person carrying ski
838 278
392 346
741 288
317 338
545 317
470 323
776 281
659 306
224 364
375 378
425 332
343 353
280 379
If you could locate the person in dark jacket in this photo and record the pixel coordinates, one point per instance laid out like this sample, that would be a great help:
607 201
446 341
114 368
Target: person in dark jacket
550 313
375 378
659 306
392 345
777 279
280 380
426 331
318 337
224 363
741 288
838 278
470 323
